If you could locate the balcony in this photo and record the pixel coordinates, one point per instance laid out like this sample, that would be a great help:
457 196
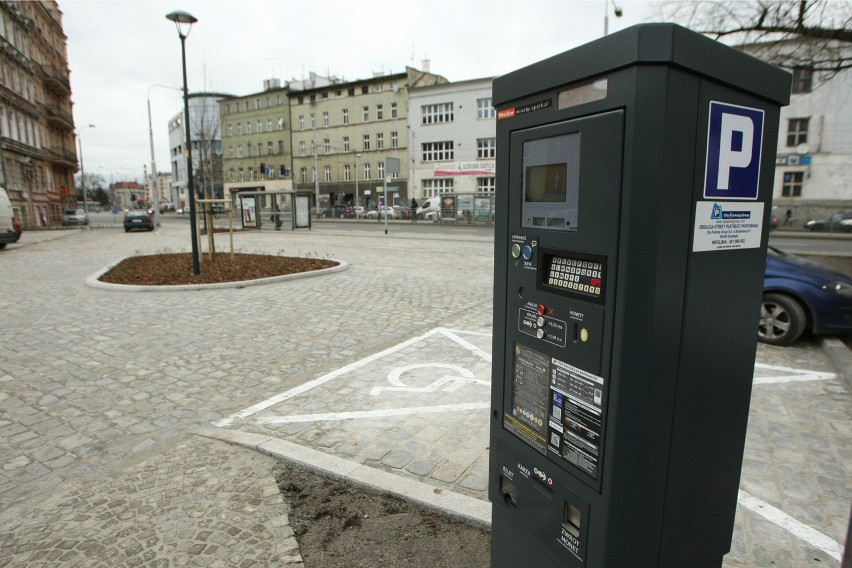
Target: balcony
61 156
55 81
59 118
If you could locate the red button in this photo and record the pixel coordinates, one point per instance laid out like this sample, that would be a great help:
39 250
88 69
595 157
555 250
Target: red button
541 309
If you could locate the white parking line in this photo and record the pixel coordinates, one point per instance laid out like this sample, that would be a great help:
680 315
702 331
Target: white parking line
785 521
793 376
383 413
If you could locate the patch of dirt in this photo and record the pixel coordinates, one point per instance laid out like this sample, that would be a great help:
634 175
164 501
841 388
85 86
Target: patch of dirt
168 269
338 526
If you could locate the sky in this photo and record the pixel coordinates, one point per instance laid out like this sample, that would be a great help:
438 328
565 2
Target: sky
122 53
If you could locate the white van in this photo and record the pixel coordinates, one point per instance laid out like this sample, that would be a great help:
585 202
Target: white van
8 234
430 209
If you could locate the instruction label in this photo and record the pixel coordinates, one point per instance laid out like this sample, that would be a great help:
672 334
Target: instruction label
724 225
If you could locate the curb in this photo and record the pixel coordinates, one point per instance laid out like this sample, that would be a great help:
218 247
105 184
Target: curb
841 356
93 282
454 505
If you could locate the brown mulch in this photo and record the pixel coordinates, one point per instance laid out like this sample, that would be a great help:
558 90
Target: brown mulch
168 269
339 526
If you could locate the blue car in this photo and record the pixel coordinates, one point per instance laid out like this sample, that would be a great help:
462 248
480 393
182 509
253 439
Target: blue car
800 295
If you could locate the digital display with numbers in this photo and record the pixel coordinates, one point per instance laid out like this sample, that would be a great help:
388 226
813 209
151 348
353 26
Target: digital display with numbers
575 274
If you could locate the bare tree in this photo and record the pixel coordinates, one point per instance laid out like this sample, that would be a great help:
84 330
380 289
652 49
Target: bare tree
813 34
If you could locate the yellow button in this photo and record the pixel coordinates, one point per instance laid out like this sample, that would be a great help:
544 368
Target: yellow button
584 335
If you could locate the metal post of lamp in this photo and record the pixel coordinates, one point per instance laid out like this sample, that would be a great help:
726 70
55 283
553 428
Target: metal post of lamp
183 21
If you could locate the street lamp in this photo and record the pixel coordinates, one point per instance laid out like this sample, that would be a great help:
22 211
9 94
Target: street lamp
155 190
616 9
82 172
183 22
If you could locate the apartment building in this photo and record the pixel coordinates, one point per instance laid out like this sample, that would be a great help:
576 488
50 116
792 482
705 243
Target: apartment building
812 174
256 140
37 153
453 139
206 139
344 133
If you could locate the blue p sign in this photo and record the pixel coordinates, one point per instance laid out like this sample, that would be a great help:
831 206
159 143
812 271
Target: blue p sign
734 142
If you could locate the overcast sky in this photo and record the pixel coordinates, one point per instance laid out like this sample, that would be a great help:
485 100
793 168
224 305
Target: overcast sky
118 49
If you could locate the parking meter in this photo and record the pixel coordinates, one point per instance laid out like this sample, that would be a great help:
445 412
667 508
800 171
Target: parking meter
634 186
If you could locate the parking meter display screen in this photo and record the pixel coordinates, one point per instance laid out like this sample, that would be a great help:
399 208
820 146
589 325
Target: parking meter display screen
551 182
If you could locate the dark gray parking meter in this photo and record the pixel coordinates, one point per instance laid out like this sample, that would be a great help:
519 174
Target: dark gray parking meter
634 187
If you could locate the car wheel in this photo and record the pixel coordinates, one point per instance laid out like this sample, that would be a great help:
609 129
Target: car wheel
782 320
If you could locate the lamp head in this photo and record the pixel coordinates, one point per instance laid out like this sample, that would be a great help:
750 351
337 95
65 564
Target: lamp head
183 22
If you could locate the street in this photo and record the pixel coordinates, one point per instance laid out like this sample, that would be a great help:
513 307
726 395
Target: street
386 364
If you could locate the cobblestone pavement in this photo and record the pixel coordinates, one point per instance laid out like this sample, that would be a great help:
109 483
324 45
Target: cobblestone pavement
385 364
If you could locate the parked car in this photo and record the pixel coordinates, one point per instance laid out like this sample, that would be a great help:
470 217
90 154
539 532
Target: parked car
75 217
338 211
841 222
383 212
801 295
138 219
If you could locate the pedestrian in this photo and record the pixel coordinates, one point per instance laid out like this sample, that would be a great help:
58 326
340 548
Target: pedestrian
276 216
413 210
788 218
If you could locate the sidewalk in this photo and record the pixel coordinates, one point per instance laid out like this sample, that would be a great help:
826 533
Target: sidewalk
109 410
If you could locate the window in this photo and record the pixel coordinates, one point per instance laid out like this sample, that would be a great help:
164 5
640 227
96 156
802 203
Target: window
257 104
347 173
239 151
301 147
792 186
484 109
797 131
366 171
259 126
280 123
366 145
393 110
379 87
380 170
434 187
436 151
486 147
260 148
313 120
346 116
380 141
301 122
230 151
366 114
327 146
269 125
242 175
345 143
380 112
802 79
365 89
248 127
239 129
280 146
351 91
248 149
313 174
327 173
303 173
325 118
230 129
485 185
394 140
434 114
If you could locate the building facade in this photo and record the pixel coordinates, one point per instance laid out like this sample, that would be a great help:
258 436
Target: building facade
812 174
206 140
37 154
453 139
256 144
343 135
161 187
